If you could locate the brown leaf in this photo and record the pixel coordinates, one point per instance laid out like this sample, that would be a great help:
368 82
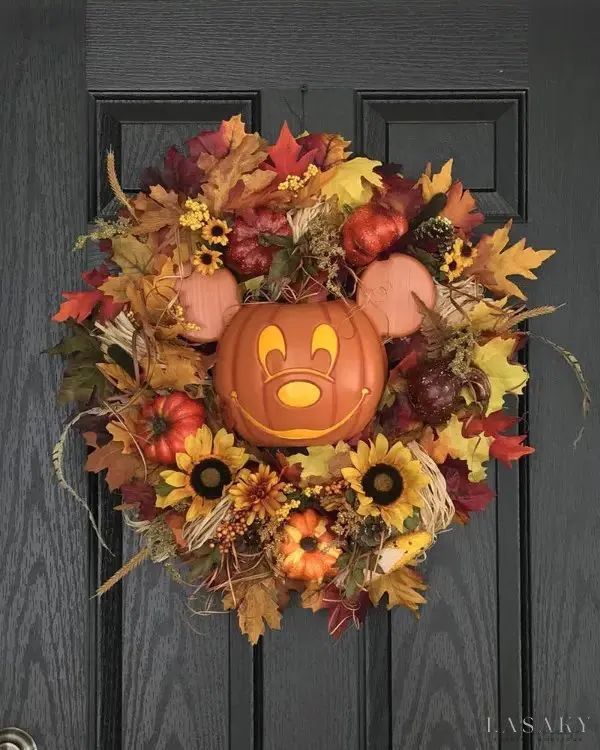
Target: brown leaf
256 607
120 467
402 587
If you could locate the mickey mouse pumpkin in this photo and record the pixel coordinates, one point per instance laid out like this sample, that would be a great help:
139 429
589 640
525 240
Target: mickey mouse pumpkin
310 374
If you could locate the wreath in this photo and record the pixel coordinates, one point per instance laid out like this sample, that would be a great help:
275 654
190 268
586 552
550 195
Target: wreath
293 366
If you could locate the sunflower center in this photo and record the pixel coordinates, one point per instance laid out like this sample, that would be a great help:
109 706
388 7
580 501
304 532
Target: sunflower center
383 483
209 477
159 425
216 231
308 543
206 259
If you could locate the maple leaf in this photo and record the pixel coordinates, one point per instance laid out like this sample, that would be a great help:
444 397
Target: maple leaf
329 148
402 587
252 190
120 467
286 157
175 367
400 193
461 209
487 314
353 181
132 256
179 173
80 305
506 448
118 377
493 263
312 597
228 171
317 461
343 611
256 607
466 495
160 210
439 182
141 494
220 142
504 377
451 441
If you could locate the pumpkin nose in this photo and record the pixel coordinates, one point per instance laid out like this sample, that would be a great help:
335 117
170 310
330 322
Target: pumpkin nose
299 393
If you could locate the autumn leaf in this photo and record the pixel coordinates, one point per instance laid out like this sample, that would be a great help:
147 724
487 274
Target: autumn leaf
252 190
506 448
220 142
80 305
286 157
440 182
175 367
493 263
179 173
344 611
81 380
316 462
452 442
256 607
329 148
487 314
160 210
504 377
509 448
466 495
461 209
132 256
141 494
402 587
353 181
227 172
116 375
312 597
120 467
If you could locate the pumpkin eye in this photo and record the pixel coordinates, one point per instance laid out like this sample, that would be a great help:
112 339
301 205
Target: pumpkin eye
324 337
270 340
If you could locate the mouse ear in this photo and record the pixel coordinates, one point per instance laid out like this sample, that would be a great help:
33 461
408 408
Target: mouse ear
385 293
208 301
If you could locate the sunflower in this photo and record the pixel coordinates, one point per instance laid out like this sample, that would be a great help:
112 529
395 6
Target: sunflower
215 231
259 492
206 261
386 480
208 467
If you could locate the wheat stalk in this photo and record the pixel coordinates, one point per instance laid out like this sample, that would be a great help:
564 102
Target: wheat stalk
111 173
130 565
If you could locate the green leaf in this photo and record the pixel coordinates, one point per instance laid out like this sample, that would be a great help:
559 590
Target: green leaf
122 358
266 239
284 265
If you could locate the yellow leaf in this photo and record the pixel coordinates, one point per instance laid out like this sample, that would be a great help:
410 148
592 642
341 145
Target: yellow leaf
487 314
134 257
116 375
116 287
312 597
318 461
440 182
175 367
353 181
493 263
402 587
256 607
124 431
504 376
474 450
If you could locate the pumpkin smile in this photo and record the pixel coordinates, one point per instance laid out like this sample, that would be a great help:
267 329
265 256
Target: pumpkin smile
300 433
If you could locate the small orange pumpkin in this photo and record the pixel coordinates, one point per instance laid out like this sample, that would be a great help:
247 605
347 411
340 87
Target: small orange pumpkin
308 549
164 424
291 375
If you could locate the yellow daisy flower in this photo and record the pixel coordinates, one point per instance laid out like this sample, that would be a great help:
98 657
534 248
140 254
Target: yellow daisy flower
386 480
259 492
215 231
207 468
206 261
452 266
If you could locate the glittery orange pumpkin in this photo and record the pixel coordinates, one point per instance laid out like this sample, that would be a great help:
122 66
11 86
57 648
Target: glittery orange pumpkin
290 375
307 548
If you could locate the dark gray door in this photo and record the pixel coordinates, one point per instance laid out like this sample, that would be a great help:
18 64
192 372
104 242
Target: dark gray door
510 89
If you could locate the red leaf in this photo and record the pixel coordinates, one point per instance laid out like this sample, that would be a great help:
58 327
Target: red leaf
80 305
329 148
143 495
344 612
285 156
461 209
215 142
179 173
509 448
401 194
492 426
467 496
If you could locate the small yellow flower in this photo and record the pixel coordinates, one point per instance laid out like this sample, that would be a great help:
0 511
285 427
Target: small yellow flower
465 251
387 481
294 183
259 492
206 261
215 232
196 216
452 266
207 469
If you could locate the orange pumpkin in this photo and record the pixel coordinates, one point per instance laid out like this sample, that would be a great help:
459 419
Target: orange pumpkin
290 375
164 424
308 549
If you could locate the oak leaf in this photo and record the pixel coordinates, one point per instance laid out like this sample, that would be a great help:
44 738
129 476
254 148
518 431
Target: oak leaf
402 587
353 181
256 607
493 263
132 256
158 212
120 467
461 209
439 182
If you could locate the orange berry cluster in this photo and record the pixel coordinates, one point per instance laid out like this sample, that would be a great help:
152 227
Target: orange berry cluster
230 529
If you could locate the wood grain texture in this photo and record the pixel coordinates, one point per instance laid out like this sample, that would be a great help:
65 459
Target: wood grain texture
444 665
270 43
175 666
564 495
43 535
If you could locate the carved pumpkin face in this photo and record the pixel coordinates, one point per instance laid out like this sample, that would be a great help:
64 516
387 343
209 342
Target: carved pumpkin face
290 375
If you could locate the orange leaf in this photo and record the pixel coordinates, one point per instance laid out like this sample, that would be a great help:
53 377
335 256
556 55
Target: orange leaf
284 156
120 467
461 209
